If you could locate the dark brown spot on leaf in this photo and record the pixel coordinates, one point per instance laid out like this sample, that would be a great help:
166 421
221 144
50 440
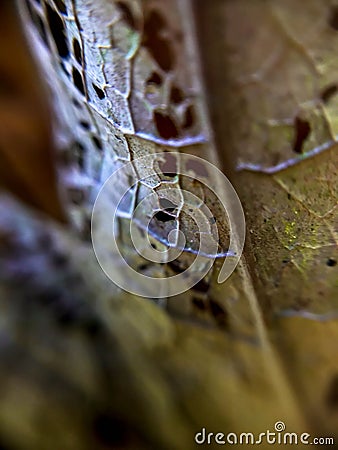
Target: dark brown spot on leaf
159 47
302 131
154 24
199 303
189 118
161 51
127 15
328 93
165 125
201 286
176 95
218 312
169 166
333 18
155 78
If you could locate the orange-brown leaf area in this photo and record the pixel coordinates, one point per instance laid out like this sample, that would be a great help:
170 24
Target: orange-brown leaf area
26 160
86 366
275 76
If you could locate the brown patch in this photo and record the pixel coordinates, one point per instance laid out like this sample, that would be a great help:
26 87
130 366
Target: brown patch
165 125
127 15
333 18
328 93
302 132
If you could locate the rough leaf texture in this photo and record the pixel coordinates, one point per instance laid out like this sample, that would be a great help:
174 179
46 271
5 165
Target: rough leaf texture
115 371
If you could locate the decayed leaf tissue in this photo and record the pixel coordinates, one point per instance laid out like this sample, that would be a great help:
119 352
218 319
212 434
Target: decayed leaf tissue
153 103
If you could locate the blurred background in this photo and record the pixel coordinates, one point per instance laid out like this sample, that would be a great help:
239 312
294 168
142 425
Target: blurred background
84 365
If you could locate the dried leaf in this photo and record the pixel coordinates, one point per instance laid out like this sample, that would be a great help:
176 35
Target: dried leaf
229 357
26 159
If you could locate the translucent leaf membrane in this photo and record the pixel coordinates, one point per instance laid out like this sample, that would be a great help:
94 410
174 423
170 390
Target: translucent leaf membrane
124 83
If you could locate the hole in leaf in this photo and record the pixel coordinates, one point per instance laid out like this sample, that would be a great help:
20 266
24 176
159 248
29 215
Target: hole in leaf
57 29
167 205
162 216
78 81
331 262
302 129
77 51
85 125
61 6
99 92
328 93
333 18
165 125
